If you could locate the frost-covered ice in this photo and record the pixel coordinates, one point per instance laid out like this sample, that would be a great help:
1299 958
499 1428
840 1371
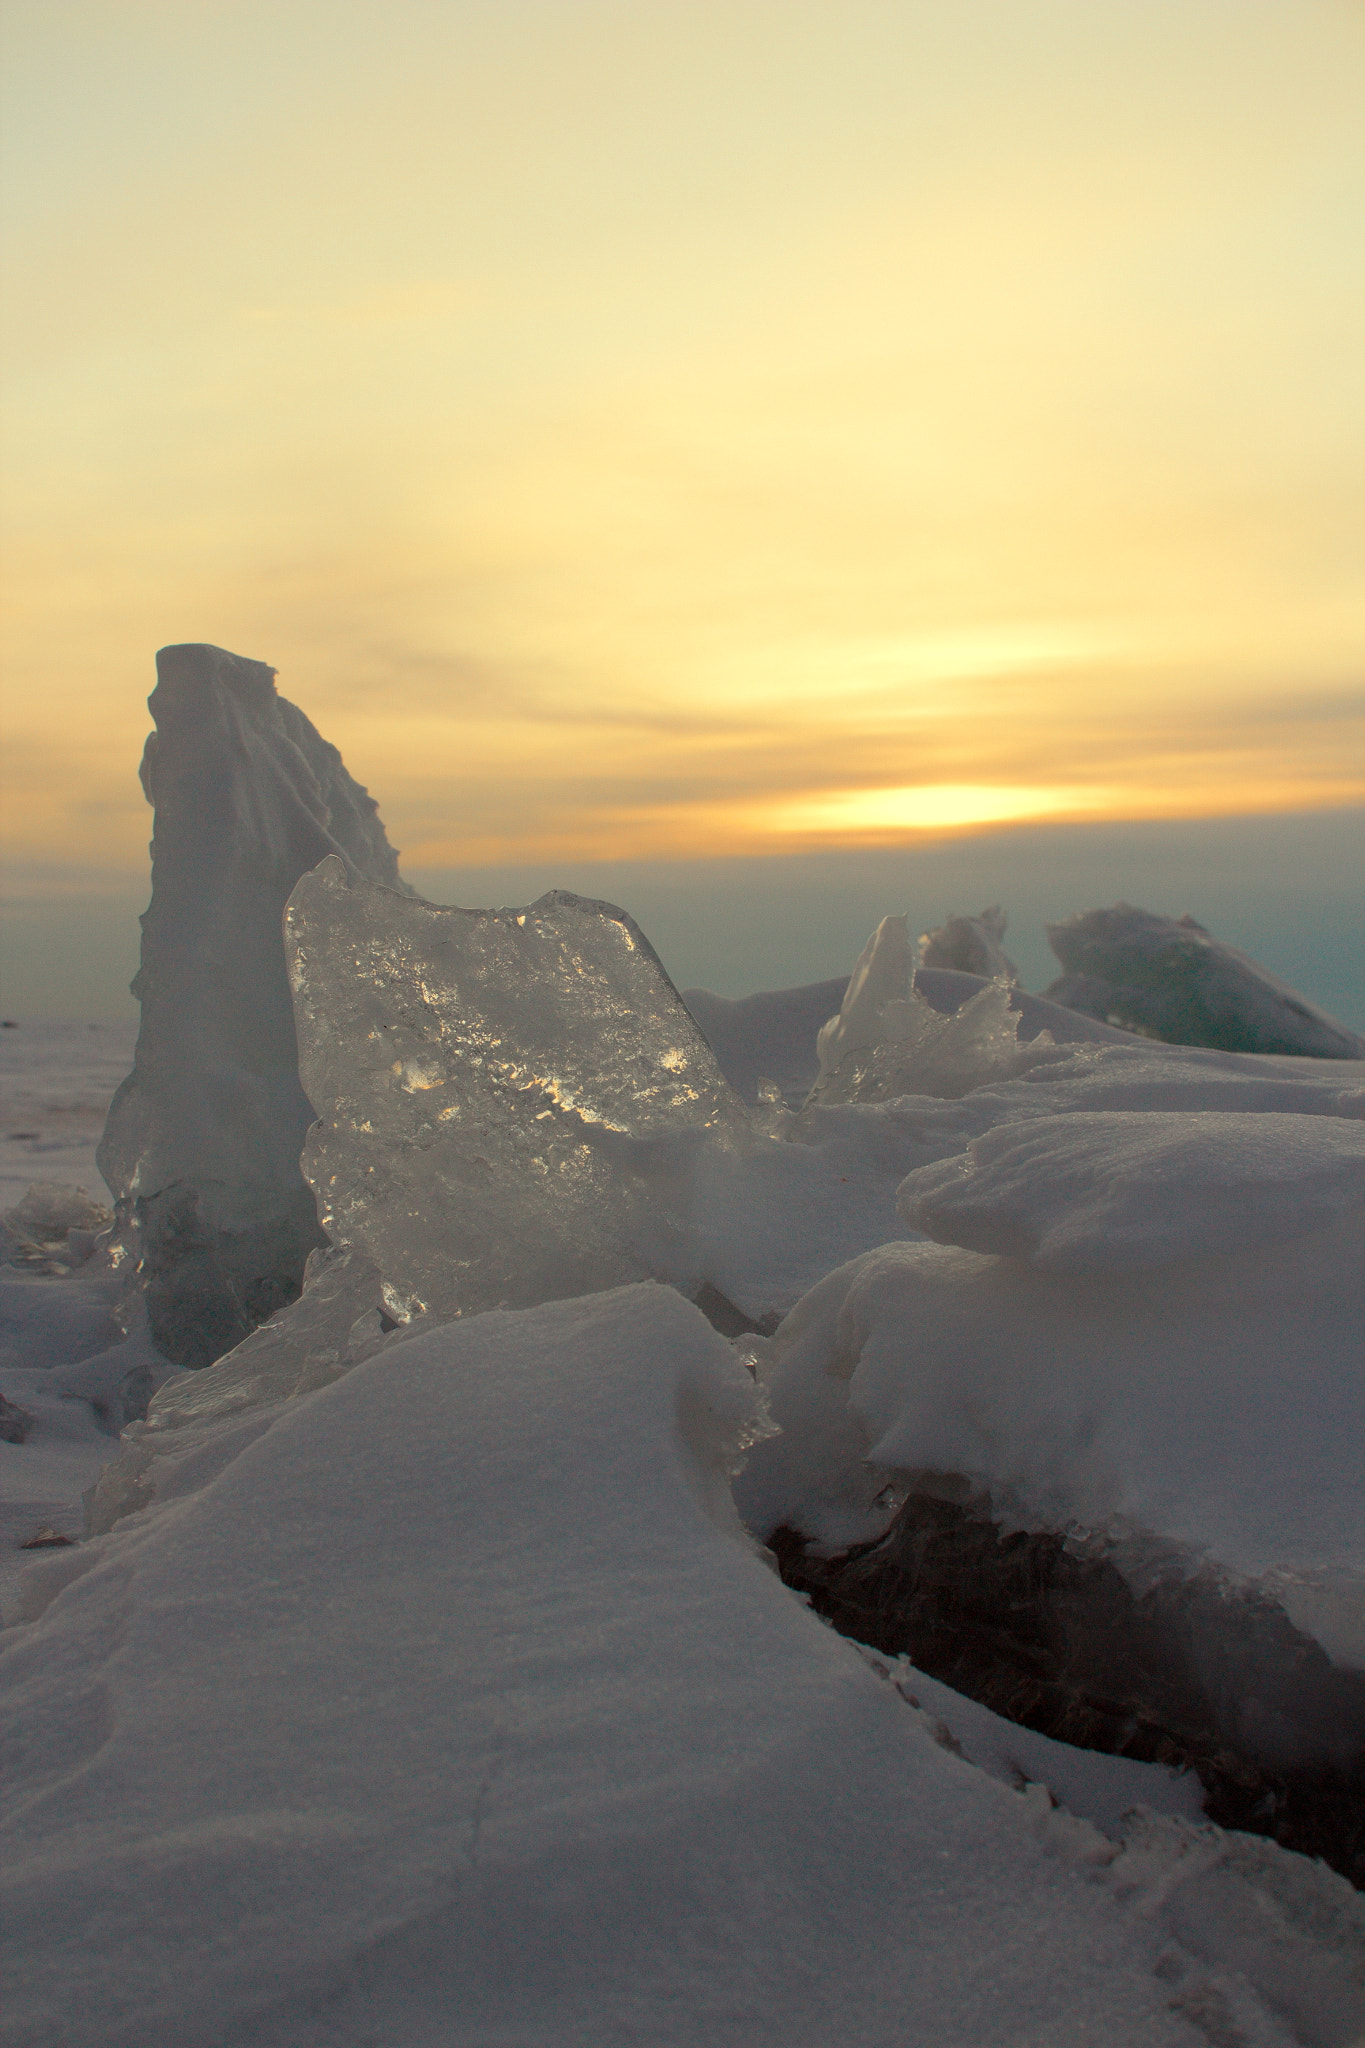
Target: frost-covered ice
493 1089
1171 979
202 1145
456 1708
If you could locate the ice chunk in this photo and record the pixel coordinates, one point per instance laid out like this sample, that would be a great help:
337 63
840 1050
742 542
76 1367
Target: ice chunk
53 1227
772 1036
970 945
1168 978
490 1084
201 1148
887 1040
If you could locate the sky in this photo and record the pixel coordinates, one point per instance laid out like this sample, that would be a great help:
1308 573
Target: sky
658 431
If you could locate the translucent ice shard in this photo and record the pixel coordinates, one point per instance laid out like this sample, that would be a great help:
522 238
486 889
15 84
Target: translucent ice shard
490 1085
1169 978
970 945
887 1040
201 1148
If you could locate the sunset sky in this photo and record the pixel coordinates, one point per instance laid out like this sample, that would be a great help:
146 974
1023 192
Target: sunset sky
653 429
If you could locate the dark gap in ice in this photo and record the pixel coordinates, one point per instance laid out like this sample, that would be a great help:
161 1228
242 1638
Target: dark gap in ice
722 1315
1191 1673
15 1422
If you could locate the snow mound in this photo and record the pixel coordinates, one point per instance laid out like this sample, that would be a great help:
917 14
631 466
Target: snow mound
1202 1413
201 1147
457 1707
1169 978
1120 1191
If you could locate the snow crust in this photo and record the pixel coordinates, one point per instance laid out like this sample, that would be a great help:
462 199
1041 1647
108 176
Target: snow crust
457 1707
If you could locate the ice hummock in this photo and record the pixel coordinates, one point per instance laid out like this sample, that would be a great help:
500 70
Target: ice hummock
1171 979
494 1088
201 1147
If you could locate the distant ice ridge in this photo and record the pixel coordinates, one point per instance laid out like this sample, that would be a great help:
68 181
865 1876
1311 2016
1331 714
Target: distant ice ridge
201 1149
1169 978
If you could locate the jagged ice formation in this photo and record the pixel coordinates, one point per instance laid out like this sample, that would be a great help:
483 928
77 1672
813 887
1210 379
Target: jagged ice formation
202 1144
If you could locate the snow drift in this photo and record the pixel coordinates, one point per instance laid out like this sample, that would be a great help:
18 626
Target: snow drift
458 1708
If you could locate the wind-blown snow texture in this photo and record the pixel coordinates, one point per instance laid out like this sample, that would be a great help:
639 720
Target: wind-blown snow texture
201 1149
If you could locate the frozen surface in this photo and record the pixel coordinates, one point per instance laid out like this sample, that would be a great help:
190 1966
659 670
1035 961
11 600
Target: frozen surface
429 1663
56 1080
455 1707
1170 978
202 1144
494 1088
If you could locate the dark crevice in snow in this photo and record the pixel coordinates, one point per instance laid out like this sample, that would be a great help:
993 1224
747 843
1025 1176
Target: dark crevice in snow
1191 1673
722 1315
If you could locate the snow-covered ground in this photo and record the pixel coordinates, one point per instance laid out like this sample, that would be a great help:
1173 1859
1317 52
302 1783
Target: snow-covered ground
452 1703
